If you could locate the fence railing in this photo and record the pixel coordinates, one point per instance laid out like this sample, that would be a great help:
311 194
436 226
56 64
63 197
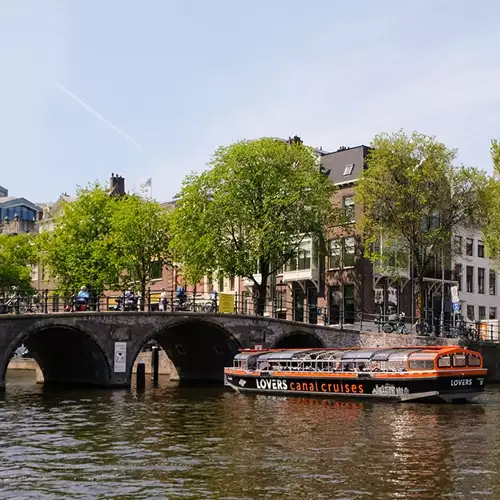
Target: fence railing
14 301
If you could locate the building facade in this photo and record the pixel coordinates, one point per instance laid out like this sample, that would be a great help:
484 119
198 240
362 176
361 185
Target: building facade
475 276
17 215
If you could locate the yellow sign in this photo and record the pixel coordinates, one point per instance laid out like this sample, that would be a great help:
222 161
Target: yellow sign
226 303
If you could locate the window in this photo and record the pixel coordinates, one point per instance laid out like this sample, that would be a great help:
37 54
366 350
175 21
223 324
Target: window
493 313
335 257
348 207
493 283
480 280
470 279
304 260
480 249
349 252
444 362
156 270
348 169
473 360
469 247
221 284
421 364
482 312
457 245
458 276
470 313
231 283
342 253
459 360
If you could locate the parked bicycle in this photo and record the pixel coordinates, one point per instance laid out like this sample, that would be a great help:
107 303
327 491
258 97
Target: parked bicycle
463 331
15 302
396 326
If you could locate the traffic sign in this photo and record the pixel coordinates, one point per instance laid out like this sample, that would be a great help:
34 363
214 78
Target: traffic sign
456 306
454 294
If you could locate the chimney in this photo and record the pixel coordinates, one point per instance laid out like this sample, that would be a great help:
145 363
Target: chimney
117 185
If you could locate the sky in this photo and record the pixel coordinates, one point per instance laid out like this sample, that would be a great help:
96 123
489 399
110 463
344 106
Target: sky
151 88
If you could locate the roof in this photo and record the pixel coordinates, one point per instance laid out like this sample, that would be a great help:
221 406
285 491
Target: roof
14 201
346 165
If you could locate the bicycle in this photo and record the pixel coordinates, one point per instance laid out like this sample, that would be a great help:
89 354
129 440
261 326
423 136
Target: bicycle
15 303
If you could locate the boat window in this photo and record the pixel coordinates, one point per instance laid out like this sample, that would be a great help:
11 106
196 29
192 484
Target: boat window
421 364
444 362
474 360
459 360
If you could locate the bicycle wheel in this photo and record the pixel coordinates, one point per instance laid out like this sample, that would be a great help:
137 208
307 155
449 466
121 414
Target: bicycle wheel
387 328
23 307
208 307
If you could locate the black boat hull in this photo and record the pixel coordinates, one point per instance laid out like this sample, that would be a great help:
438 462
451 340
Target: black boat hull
430 388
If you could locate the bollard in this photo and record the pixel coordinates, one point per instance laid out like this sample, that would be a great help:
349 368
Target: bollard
141 375
155 364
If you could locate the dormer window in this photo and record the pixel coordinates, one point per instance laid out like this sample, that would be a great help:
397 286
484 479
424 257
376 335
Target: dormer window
348 169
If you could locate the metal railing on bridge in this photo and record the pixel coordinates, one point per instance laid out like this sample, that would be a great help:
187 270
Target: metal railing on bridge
16 301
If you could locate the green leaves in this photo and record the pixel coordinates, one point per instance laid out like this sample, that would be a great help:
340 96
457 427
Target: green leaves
103 241
492 203
414 198
17 255
139 234
80 250
254 205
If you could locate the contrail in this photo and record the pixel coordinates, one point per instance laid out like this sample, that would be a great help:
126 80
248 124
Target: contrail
98 115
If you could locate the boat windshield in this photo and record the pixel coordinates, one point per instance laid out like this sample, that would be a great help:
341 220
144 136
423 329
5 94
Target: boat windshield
354 360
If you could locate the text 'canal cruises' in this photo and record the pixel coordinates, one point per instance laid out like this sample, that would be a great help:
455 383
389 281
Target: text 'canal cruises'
430 373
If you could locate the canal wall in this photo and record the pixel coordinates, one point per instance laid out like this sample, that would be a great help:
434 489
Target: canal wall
165 366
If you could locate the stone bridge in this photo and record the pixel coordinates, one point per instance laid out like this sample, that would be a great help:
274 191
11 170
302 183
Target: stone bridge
99 348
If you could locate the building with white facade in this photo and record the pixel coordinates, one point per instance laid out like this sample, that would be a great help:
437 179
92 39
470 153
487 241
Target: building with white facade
476 277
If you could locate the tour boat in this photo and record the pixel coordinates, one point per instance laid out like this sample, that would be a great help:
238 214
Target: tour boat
425 373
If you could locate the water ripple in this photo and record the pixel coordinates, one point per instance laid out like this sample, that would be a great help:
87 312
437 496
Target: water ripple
209 443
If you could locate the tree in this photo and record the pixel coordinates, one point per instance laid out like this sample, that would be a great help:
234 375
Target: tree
139 230
80 250
414 197
492 201
17 255
248 213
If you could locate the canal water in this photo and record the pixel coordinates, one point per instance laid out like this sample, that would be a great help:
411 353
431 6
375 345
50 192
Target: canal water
196 443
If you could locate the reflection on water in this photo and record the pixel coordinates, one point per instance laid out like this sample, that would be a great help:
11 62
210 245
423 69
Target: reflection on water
172 442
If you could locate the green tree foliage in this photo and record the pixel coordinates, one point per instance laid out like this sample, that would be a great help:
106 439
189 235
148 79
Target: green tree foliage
248 213
17 255
413 199
139 231
492 201
80 250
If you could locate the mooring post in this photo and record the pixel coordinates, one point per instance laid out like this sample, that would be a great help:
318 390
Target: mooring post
141 375
155 364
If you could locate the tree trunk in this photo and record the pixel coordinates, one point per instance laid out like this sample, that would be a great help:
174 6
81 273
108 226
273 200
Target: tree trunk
143 295
261 289
420 297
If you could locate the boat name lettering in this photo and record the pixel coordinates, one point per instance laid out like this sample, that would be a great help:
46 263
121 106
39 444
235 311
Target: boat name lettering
272 384
390 390
463 381
316 386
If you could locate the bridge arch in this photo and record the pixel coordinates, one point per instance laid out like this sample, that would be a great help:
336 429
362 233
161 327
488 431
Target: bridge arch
298 339
65 354
198 348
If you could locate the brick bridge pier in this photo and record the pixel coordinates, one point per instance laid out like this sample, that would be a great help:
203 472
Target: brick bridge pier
99 348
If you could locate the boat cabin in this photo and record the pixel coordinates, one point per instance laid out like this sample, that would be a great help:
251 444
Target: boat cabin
393 359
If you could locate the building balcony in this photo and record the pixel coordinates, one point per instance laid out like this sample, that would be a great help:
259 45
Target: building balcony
311 274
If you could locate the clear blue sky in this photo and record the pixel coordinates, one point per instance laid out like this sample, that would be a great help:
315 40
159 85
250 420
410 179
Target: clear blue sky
182 77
